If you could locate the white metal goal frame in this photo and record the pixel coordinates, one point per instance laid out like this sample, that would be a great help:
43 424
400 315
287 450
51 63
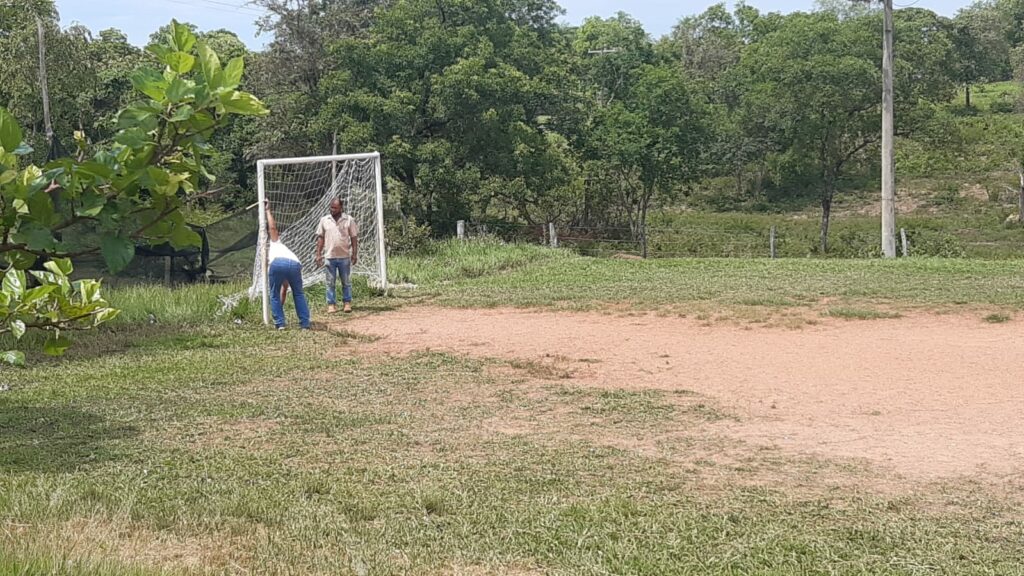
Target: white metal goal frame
261 165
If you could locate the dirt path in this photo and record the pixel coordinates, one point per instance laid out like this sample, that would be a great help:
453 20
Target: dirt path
926 396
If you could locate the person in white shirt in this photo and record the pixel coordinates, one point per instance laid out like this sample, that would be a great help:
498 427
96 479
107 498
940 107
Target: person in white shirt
285 270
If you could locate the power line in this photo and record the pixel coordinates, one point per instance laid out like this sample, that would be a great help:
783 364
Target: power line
212 5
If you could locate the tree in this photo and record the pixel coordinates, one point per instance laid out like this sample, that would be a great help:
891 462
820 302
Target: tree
129 191
289 73
815 86
649 143
466 100
710 43
982 47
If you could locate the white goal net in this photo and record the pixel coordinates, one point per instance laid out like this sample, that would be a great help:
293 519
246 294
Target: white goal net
300 192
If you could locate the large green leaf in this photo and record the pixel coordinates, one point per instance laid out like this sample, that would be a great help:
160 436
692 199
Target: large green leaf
117 252
14 284
242 103
35 236
92 203
139 116
60 266
38 293
180 62
209 63
182 114
56 345
17 329
10 132
133 138
20 259
180 89
13 358
232 76
184 237
182 39
151 83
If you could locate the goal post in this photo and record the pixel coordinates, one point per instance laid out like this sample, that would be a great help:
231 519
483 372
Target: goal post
300 192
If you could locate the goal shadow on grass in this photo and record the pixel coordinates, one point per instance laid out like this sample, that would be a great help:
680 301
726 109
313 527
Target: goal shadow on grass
56 439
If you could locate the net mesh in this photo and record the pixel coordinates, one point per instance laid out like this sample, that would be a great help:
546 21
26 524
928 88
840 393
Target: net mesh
300 195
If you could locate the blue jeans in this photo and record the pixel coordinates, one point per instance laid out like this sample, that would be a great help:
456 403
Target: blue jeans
282 270
339 267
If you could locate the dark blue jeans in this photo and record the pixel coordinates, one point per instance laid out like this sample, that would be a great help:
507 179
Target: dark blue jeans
282 270
339 267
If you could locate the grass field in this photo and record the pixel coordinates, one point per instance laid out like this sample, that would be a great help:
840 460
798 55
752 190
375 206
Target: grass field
197 444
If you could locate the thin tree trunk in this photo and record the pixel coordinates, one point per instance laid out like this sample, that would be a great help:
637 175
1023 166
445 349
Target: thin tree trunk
967 95
1020 198
826 210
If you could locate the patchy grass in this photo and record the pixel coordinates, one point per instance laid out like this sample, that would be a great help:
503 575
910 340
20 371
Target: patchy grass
848 313
998 318
226 449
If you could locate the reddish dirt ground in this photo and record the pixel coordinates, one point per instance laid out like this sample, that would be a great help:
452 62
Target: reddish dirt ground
926 397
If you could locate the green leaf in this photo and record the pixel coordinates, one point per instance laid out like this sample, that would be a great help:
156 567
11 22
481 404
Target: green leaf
133 138
56 345
242 103
95 169
38 293
14 284
35 236
92 203
104 315
210 65
21 260
151 83
232 76
180 62
180 89
60 266
138 116
183 113
160 51
41 208
184 237
117 252
13 358
182 39
17 329
23 150
10 132
8 176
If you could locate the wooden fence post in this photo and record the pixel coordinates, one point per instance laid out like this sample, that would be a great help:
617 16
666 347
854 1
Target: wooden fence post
168 265
903 237
460 229
552 235
771 242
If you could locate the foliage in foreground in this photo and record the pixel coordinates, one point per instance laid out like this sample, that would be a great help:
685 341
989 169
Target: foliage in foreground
130 191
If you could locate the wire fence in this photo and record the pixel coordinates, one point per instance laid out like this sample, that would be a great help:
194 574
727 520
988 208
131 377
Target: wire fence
786 240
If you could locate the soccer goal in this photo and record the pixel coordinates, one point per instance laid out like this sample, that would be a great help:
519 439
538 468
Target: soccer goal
300 191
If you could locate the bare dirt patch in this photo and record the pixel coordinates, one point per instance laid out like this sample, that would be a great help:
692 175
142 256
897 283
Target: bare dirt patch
927 397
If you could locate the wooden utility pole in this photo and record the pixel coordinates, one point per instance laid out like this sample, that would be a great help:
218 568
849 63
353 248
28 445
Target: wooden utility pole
42 82
888 151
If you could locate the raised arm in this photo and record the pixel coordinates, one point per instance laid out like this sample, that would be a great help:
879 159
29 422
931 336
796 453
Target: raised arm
271 226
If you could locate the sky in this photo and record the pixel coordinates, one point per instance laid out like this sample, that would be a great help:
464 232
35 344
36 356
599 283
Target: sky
139 18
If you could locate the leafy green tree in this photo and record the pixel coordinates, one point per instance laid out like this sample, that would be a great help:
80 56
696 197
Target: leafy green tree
648 144
466 100
127 192
814 89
